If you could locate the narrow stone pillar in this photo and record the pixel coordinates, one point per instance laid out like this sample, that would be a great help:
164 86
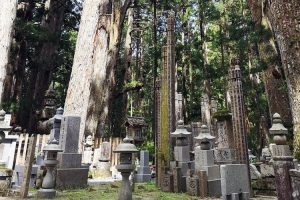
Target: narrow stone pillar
283 159
166 123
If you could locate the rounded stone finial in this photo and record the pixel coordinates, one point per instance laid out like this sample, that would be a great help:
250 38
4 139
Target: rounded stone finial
180 122
278 131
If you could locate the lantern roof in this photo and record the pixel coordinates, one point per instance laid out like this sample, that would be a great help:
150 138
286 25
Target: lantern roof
126 147
180 131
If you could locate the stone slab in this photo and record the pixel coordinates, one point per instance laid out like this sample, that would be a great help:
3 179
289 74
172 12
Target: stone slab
141 178
203 158
192 186
234 179
213 172
182 153
69 134
167 183
69 160
144 170
214 188
144 158
179 182
71 178
184 166
46 193
224 156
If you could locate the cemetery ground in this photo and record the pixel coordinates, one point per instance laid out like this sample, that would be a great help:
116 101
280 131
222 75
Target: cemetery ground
143 191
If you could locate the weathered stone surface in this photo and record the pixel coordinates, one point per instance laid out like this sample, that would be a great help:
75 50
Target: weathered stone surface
202 183
182 153
144 172
213 172
224 156
264 186
69 160
214 188
69 134
234 179
184 166
254 173
267 170
167 183
46 193
179 180
203 158
192 185
19 175
295 180
71 178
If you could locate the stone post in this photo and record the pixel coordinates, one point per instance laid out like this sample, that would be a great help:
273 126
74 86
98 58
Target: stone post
283 159
166 123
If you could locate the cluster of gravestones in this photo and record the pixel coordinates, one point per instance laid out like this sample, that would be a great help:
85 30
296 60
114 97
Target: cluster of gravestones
210 170
206 175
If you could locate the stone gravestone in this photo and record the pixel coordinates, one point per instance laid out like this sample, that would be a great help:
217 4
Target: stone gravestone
143 172
100 166
192 183
70 173
8 146
167 181
235 182
204 161
225 152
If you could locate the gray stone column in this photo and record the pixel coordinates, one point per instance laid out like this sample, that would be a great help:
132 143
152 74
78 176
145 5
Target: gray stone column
283 160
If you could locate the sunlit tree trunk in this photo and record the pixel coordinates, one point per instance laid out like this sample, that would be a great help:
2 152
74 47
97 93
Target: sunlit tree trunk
8 10
95 58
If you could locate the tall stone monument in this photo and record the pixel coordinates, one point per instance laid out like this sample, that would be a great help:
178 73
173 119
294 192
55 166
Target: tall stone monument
166 116
70 173
283 159
238 112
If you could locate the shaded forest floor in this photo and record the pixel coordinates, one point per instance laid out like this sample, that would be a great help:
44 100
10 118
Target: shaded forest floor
143 191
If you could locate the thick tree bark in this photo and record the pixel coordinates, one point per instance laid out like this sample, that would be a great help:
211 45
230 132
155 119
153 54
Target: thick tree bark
8 10
284 18
274 80
95 58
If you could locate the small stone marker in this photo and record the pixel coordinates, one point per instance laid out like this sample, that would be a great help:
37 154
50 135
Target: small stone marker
192 183
143 172
234 180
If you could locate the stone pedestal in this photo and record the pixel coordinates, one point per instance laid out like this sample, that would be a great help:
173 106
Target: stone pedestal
143 172
234 181
179 181
204 161
70 172
192 184
282 163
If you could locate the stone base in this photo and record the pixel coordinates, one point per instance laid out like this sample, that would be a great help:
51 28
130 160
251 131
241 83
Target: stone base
234 179
102 170
238 196
140 178
46 193
71 178
213 172
69 160
214 188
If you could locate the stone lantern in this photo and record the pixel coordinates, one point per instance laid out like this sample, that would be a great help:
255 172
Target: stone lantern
126 166
181 134
47 191
205 139
278 131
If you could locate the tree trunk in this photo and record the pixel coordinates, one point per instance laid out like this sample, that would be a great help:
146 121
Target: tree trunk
119 101
41 74
274 80
94 62
8 10
284 18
